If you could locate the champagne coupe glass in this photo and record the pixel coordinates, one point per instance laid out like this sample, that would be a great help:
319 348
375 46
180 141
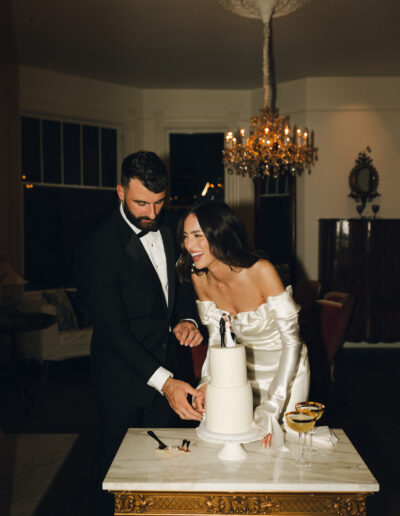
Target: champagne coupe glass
315 408
301 422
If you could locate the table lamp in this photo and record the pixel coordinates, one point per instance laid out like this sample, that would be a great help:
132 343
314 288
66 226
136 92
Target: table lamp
11 286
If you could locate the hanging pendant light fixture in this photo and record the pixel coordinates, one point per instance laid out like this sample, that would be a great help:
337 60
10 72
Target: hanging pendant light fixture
272 146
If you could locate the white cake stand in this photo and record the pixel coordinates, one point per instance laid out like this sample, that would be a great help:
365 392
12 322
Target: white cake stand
232 449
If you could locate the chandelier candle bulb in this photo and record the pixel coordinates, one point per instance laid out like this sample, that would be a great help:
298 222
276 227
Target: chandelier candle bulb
228 140
298 136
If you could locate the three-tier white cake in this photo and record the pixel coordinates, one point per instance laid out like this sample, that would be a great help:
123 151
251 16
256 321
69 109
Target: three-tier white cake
229 398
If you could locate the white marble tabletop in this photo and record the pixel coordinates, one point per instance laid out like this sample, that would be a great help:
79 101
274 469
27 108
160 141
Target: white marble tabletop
140 466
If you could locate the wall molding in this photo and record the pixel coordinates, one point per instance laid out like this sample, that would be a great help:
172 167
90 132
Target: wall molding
70 111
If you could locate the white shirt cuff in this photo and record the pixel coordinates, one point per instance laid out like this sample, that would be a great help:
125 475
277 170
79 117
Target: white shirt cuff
158 378
191 320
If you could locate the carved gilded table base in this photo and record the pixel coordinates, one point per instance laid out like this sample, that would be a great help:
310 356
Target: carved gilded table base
196 503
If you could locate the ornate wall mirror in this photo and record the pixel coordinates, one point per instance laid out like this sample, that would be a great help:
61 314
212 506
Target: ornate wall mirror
363 181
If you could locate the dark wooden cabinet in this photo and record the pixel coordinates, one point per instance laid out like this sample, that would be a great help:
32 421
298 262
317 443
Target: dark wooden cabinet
362 257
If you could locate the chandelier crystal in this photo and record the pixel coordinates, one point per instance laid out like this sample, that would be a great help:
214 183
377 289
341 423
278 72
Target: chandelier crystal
272 146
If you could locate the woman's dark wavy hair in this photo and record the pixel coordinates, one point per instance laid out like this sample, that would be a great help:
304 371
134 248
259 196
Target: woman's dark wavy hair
225 234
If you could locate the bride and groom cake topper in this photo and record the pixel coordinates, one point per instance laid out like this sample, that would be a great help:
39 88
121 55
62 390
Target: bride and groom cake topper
227 339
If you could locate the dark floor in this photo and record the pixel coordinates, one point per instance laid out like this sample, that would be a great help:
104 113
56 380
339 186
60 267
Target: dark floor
364 403
61 404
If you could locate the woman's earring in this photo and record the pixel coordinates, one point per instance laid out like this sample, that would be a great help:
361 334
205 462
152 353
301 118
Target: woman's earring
192 267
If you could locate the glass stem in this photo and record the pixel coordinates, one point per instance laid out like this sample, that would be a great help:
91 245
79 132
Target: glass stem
301 448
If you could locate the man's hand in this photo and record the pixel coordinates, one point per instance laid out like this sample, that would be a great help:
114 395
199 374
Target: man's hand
176 393
187 334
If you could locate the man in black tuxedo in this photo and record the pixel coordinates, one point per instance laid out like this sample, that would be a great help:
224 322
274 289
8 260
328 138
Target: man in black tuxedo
126 276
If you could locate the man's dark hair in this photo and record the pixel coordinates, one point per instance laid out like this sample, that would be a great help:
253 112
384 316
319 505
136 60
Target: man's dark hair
148 168
225 234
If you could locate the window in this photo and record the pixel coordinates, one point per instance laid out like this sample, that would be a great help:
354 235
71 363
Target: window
275 222
51 131
55 221
69 172
64 153
196 168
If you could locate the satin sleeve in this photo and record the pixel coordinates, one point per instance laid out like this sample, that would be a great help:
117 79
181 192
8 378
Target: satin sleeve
284 312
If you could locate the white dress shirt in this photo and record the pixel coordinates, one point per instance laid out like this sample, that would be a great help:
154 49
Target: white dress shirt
154 247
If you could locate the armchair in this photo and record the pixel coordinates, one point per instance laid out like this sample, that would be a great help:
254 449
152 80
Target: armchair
52 344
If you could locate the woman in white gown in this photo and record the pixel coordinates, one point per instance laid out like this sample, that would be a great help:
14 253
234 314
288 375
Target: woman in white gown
229 278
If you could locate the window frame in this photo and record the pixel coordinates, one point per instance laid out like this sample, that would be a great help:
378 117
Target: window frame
41 117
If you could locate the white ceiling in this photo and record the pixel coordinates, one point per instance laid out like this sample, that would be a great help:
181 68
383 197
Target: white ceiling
198 44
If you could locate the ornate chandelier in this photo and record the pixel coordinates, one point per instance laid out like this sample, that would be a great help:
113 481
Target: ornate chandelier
272 146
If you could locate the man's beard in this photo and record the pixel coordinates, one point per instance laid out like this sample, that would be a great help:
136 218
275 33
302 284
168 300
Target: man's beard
153 225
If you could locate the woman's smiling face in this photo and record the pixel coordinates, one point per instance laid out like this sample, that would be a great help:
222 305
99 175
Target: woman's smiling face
196 243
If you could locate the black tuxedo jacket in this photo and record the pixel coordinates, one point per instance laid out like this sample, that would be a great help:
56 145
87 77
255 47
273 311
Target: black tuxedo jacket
131 318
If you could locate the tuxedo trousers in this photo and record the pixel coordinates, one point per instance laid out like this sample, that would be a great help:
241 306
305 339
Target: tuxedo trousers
111 428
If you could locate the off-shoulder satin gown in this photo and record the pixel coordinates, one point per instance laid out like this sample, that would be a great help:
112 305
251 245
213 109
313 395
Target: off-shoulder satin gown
277 361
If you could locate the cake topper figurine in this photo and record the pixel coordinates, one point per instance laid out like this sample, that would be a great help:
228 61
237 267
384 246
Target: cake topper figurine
225 331
222 331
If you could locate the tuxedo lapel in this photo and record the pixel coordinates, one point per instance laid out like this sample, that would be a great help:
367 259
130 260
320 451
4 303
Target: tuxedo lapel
139 255
170 256
137 252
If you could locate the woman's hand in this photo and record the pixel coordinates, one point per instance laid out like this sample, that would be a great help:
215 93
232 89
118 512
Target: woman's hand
188 334
199 402
266 442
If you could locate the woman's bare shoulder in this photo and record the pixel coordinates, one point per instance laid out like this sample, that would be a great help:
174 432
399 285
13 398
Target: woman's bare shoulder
266 277
262 267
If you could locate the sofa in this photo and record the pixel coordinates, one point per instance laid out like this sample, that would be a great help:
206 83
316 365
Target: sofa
69 337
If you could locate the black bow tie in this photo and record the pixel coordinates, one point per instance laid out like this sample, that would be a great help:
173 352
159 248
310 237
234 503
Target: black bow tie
142 233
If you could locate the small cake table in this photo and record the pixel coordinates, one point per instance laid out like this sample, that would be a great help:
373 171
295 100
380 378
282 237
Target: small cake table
148 481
